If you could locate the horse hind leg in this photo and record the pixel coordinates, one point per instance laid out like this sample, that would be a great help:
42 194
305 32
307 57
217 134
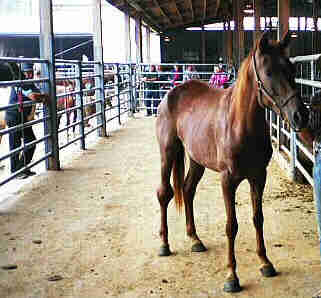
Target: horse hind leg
257 185
194 175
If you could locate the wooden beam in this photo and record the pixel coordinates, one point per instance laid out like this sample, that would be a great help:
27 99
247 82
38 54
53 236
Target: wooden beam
192 9
144 14
204 9
162 12
218 5
257 17
284 15
178 12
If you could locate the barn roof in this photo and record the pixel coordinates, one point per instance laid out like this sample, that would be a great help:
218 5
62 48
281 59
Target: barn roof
163 15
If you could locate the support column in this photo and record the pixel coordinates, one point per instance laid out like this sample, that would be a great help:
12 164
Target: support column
148 44
239 30
138 40
99 68
229 43
128 54
283 15
315 23
257 18
46 43
203 45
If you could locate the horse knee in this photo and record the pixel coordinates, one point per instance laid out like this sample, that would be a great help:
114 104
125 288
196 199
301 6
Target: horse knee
165 194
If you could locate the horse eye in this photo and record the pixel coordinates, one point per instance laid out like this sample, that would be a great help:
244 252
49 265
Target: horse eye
269 73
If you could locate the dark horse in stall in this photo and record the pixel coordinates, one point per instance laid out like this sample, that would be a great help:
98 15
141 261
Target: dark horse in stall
9 71
225 130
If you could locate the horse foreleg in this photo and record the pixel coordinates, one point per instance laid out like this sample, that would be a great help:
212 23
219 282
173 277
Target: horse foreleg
257 187
165 194
229 186
193 177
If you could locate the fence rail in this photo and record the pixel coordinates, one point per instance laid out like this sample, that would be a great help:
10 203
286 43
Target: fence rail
78 94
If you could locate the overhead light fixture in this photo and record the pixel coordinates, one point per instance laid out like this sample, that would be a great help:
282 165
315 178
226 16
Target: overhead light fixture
167 39
294 35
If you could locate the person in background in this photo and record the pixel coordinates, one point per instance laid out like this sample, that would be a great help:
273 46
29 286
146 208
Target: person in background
219 78
19 115
162 85
151 87
177 76
191 73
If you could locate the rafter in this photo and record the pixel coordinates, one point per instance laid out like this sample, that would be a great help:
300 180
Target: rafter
141 11
162 11
192 9
178 12
204 9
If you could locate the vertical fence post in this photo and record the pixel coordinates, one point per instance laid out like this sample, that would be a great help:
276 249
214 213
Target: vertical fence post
99 67
293 148
130 84
46 43
116 82
134 88
80 102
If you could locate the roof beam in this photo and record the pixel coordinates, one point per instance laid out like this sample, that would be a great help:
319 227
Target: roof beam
192 9
204 9
144 14
178 12
162 11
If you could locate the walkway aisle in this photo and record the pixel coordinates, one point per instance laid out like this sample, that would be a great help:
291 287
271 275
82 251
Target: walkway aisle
95 224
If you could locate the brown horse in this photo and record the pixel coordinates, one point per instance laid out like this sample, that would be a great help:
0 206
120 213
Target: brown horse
225 130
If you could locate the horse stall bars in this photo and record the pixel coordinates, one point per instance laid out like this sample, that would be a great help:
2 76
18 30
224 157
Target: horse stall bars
293 152
15 80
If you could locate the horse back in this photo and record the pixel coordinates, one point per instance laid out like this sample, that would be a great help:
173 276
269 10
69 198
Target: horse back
204 120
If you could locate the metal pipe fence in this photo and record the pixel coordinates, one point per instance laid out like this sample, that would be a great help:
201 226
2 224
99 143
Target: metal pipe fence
98 104
150 92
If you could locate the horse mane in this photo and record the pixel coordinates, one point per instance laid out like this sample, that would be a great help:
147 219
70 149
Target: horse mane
243 77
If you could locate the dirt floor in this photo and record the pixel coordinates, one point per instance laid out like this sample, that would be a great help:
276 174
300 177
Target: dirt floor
91 230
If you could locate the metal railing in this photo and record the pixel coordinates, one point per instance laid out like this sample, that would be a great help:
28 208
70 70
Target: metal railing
109 104
150 93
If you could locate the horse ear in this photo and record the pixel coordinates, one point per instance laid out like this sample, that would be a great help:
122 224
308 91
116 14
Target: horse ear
285 42
264 44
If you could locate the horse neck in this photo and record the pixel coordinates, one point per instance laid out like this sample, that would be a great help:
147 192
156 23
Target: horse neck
246 109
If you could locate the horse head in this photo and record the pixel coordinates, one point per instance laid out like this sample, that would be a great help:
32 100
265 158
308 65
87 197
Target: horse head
275 77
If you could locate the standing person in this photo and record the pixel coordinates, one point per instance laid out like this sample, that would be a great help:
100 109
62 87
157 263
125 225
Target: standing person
218 78
177 76
21 114
162 85
150 86
191 73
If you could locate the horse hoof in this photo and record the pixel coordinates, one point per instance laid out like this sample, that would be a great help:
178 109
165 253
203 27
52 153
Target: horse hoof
198 247
232 286
164 251
268 271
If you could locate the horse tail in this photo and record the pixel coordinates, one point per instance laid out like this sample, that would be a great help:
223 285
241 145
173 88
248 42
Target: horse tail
179 176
